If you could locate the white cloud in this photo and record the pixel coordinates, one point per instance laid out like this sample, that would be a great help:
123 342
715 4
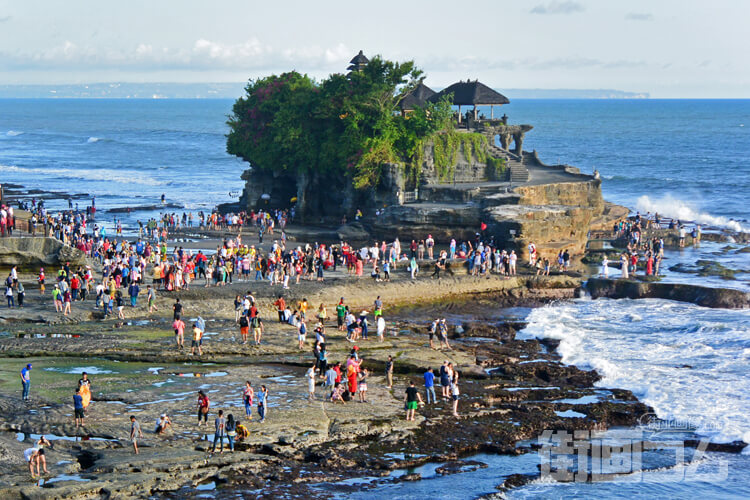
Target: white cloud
202 55
639 16
558 7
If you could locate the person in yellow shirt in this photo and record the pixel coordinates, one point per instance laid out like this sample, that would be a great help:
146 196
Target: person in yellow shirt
197 341
302 308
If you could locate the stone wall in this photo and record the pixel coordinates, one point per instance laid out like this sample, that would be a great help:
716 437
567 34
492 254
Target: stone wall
586 193
466 169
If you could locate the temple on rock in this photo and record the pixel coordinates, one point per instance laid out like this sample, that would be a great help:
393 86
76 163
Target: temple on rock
472 174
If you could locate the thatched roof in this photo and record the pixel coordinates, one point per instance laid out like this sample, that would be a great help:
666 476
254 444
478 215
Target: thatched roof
359 59
471 93
416 97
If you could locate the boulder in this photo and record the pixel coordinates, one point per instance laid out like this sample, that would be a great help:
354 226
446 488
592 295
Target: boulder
32 253
701 295
354 231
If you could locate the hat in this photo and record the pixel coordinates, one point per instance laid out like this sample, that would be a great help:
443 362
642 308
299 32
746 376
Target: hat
28 365
355 348
163 415
364 313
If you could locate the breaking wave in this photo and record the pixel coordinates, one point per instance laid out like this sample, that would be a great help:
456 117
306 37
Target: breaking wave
670 206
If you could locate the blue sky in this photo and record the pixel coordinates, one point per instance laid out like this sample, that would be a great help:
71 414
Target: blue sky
670 48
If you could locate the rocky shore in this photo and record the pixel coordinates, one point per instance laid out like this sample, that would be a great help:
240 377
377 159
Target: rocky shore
512 390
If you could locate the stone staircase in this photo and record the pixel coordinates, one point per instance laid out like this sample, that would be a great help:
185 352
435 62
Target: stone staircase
516 171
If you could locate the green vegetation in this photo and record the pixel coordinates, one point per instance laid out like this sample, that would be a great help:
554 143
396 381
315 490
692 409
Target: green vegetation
346 125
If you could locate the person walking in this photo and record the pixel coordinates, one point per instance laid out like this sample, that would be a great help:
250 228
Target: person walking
135 432
412 398
203 404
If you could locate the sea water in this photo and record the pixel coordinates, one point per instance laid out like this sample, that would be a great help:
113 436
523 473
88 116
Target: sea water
682 158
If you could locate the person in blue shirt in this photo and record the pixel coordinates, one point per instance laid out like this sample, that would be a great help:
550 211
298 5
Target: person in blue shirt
26 381
429 385
78 407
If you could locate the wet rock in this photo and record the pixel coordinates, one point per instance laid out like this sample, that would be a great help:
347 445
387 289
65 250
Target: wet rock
732 447
412 477
700 295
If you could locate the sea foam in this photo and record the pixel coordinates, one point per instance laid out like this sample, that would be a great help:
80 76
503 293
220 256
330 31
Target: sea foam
685 361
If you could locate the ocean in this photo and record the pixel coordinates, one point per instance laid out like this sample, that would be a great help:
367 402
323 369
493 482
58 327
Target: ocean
683 158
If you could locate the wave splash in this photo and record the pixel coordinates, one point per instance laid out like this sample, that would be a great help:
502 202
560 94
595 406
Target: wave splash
678 209
686 362
92 140
13 133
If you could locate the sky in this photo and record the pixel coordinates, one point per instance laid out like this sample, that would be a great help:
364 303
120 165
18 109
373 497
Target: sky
669 48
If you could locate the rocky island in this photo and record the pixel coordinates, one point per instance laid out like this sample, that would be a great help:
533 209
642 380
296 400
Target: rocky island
380 141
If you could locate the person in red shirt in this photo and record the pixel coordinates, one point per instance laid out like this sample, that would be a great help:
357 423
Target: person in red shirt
75 285
280 306
203 405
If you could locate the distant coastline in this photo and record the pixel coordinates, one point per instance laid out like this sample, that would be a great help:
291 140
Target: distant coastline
124 90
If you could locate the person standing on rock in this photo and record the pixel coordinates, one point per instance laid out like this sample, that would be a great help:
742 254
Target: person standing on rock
280 307
21 294
26 381
341 314
78 407
133 291
310 375
135 432
454 392
203 404
301 332
220 425
429 385
380 324
247 399
40 278
605 267
412 398
389 372
9 296
262 399
197 341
